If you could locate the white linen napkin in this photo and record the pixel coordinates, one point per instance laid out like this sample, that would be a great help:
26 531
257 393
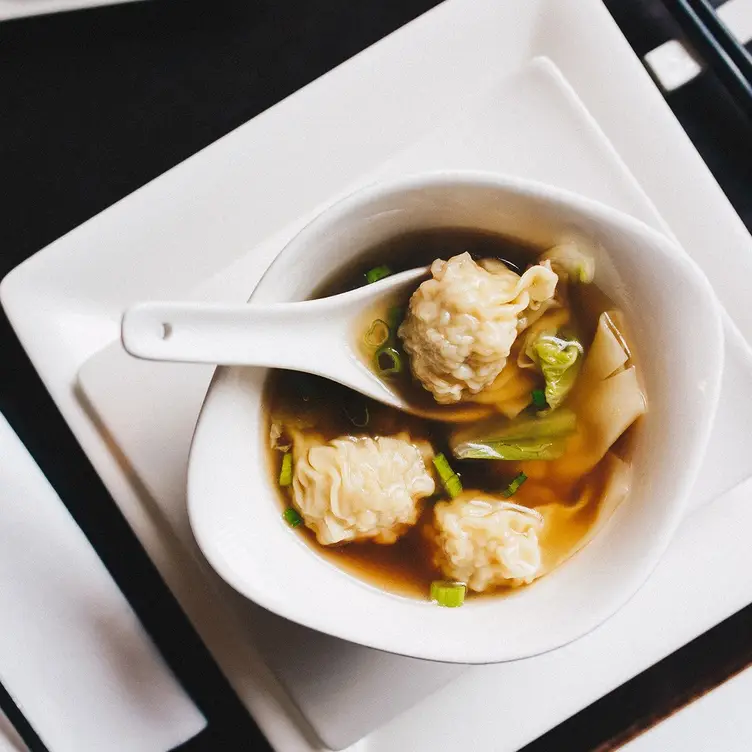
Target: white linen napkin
73 654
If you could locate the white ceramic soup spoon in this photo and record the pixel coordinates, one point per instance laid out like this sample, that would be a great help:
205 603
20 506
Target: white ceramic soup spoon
315 336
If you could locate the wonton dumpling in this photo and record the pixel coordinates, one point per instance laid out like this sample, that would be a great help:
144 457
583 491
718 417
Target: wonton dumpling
360 488
485 542
462 323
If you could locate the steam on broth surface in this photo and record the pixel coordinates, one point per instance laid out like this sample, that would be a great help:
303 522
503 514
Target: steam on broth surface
538 359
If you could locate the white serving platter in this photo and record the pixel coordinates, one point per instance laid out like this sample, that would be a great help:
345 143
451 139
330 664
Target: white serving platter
247 192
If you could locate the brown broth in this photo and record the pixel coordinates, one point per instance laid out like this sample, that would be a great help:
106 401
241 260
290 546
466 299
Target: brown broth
414 249
405 567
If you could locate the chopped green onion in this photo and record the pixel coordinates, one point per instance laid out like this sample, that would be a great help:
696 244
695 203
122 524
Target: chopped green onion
285 474
378 334
449 479
357 414
291 517
377 273
539 398
514 486
395 317
388 361
448 594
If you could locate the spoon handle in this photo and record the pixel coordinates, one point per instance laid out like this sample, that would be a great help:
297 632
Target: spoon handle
279 336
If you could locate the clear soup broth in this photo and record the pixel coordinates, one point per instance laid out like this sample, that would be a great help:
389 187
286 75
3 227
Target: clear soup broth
573 492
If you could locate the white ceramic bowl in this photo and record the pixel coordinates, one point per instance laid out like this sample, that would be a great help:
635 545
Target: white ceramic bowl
233 506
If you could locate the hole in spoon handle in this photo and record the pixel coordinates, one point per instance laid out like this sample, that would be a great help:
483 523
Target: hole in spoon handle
214 333
141 332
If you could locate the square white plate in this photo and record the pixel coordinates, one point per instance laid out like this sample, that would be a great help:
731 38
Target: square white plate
530 123
260 180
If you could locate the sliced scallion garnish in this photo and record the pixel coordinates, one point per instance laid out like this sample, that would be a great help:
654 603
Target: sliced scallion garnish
514 486
377 334
291 517
539 399
449 479
448 594
285 473
388 361
377 273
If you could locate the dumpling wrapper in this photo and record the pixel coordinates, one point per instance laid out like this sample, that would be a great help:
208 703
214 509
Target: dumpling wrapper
510 392
568 528
608 353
